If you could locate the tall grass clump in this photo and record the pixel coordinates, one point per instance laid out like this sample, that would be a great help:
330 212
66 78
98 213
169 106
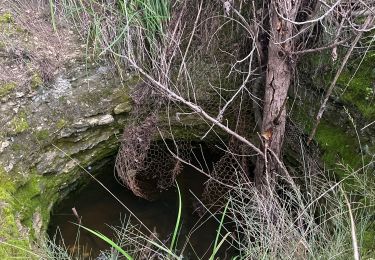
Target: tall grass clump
313 219
113 29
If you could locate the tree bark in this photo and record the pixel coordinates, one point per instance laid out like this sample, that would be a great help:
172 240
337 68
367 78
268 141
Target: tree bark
278 79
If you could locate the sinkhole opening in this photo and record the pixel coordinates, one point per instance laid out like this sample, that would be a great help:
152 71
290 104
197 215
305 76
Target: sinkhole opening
94 207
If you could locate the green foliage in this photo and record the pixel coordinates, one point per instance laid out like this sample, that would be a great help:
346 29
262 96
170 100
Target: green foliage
151 15
110 242
178 221
216 244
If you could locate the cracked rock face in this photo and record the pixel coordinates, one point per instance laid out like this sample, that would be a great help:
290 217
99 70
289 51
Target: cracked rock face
75 114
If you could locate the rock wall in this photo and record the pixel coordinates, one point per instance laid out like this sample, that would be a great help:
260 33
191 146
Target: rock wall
48 138
60 114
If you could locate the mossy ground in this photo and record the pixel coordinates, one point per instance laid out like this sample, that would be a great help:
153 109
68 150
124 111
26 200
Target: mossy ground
340 149
22 198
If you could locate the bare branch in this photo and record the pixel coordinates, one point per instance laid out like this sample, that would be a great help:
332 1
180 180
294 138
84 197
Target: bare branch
173 96
312 20
330 46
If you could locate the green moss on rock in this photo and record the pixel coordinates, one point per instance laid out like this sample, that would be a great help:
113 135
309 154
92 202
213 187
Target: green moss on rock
36 81
338 146
7 17
42 135
6 88
61 123
19 123
122 108
10 230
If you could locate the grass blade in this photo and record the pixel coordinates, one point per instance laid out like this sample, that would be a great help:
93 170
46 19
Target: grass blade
168 251
177 226
109 241
52 10
216 249
216 245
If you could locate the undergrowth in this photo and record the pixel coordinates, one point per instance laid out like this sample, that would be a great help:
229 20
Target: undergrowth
309 217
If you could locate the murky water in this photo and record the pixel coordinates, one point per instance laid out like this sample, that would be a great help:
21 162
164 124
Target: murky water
98 209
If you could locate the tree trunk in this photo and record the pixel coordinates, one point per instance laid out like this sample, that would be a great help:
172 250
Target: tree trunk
278 79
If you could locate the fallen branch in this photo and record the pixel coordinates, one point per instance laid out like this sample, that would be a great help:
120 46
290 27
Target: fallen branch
173 96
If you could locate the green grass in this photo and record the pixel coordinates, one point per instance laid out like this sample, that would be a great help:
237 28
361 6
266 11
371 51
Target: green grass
36 81
108 28
170 251
326 233
178 221
52 12
109 241
216 244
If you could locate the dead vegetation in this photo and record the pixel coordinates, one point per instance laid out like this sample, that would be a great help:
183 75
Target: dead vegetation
31 52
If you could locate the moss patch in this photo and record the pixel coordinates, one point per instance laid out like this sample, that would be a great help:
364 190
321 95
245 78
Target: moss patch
10 231
36 81
6 88
338 146
19 123
42 135
6 18
61 123
360 89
